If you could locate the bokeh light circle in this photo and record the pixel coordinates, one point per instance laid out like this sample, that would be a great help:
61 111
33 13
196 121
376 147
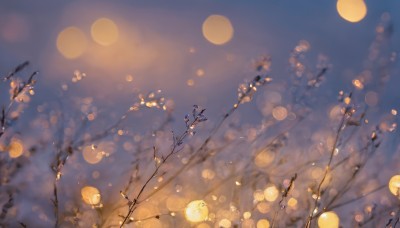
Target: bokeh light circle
217 29
104 31
352 10
71 42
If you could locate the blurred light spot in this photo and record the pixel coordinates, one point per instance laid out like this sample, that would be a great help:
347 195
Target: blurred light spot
271 193
279 113
225 223
71 42
247 215
192 50
104 31
347 100
264 158
200 72
358 217
263 207
217 29
129 78
358 84
190 82
258 195
352 10
95 174
328 220
16 148
90 195
292 202
371 98
196 211
92 155
394 185
208 174
263 223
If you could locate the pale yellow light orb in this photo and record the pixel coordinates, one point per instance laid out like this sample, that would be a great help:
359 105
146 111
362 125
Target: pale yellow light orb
292 202
90 195
104 31
217 29
394 185
225 223
15 149
328 219
352 10
92 155
279 113
263 223
71 42
196 211
271 193
264 158
258 195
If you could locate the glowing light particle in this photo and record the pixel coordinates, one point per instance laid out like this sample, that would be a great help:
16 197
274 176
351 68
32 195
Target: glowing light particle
196 211
190 82
200 72
71 42
328 220
258 195
292 202
129 78
263 223
90 195
104 32
394 185
217 29
352 10
247 215
264 158
279 113
15 149
92 155
271 193
225 223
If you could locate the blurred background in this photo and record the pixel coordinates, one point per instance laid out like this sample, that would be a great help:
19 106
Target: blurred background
96 57
201 49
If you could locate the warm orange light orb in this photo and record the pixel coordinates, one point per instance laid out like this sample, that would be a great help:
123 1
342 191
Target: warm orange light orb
196 211
328 219
263 223
352 10
264 158
104 31
217 29
90 195
71 42
394 185
15 149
